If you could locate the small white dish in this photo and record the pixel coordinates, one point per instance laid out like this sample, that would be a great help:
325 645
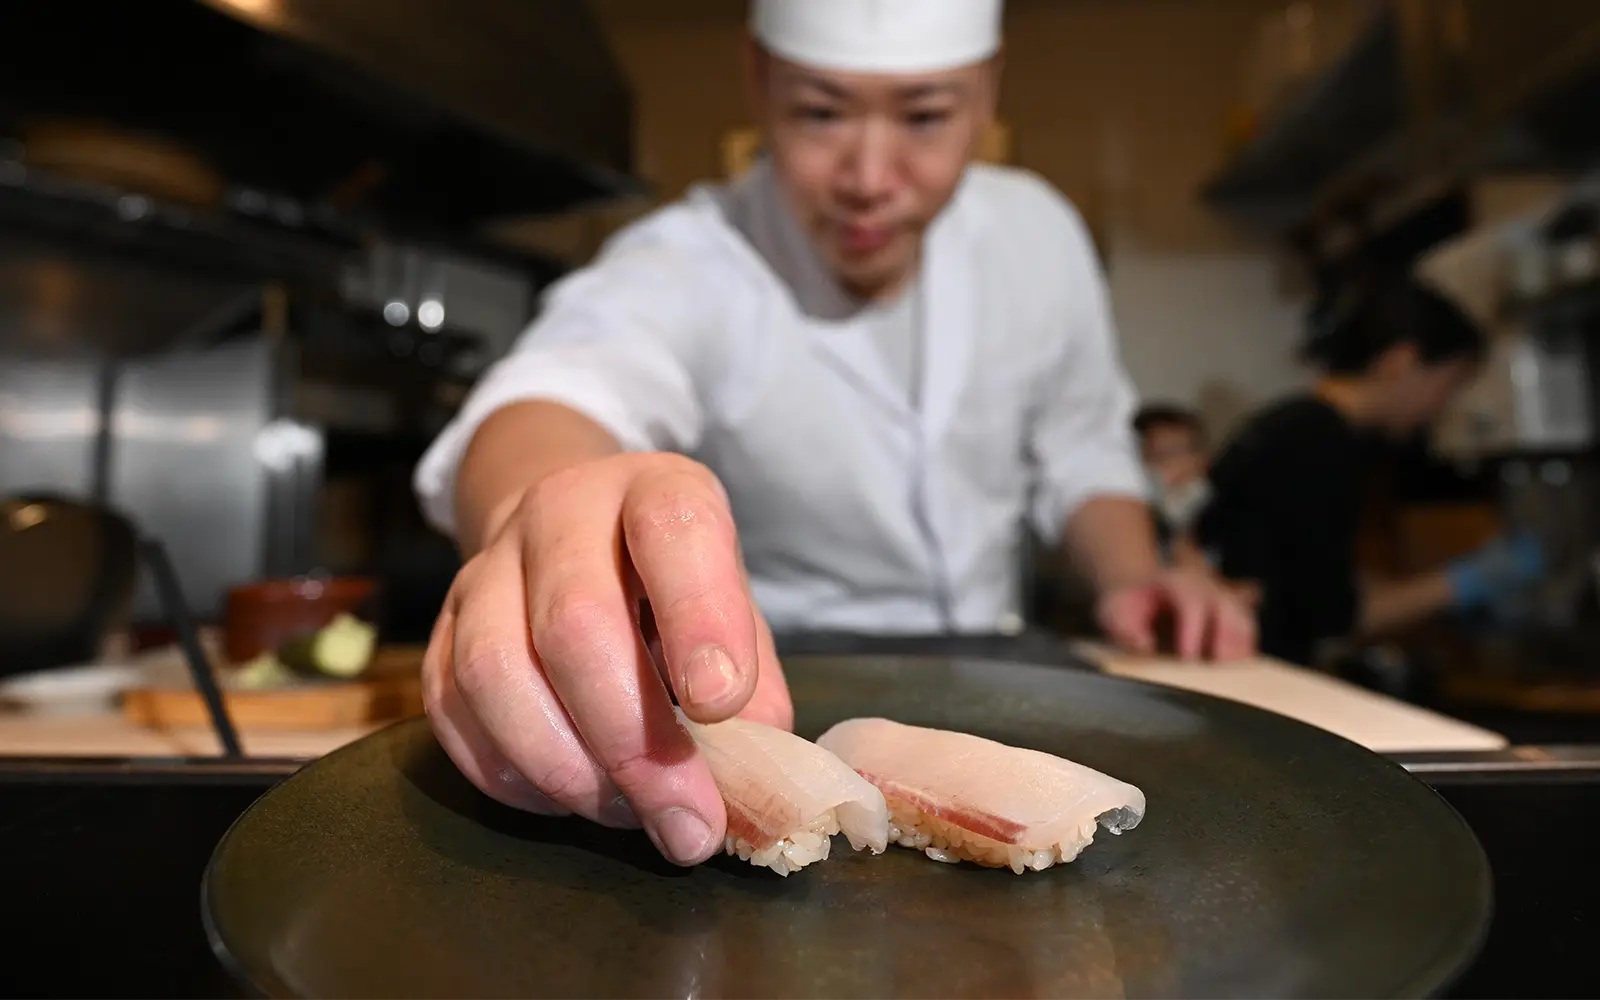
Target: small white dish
79 690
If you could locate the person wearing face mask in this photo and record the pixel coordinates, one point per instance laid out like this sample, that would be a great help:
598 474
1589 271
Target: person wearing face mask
826 396
1172 445
1288 487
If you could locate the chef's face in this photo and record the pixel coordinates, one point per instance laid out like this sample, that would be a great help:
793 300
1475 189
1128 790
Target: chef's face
869 161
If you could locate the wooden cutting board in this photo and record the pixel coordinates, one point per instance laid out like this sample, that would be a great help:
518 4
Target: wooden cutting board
390 690
1376 721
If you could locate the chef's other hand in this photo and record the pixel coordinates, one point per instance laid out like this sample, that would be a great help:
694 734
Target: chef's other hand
1246 592
1208 619
545 687
1499 569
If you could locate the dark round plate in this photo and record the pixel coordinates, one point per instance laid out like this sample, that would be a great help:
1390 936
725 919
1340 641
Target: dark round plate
1276 860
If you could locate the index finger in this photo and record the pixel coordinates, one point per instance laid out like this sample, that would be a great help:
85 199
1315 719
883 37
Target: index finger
586 637
681 541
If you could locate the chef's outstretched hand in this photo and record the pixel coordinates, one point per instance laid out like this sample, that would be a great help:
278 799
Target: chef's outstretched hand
1209 620
551 689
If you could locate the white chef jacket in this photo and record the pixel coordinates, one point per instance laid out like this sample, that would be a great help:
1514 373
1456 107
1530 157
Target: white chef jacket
710 328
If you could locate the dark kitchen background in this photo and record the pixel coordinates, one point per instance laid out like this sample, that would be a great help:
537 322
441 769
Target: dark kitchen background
254 253
245 272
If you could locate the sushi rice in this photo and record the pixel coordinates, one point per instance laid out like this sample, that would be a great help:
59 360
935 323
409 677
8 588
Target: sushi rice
791 853
786 797
947 842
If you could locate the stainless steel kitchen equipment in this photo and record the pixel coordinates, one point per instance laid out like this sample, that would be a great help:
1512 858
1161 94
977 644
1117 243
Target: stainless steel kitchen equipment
242 256
194 445
222 450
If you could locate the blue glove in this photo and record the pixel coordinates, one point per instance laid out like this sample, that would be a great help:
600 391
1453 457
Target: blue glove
1500 568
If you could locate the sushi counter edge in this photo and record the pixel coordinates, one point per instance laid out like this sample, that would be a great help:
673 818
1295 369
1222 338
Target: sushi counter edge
111 852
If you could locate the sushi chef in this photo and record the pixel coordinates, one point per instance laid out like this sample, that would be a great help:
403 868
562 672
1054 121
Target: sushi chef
873 357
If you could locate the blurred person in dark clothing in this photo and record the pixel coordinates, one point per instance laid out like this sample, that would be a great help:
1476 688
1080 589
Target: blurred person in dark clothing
1288 488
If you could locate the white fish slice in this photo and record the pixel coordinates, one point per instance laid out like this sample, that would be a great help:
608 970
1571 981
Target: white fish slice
958 797
786 797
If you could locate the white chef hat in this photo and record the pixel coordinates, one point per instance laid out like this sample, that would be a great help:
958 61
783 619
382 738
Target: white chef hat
879 36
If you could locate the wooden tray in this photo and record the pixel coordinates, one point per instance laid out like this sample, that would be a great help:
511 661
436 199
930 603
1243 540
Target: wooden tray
390 690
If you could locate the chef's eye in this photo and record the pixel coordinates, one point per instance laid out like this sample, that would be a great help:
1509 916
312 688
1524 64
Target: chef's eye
817 114
927 119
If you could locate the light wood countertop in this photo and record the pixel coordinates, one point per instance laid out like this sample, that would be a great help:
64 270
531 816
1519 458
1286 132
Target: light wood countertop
110 735
1378 722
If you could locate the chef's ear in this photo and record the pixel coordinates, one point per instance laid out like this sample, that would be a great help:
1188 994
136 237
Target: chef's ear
757 76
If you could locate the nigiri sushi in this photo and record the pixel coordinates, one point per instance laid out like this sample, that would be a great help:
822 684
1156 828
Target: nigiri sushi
786 797
958 797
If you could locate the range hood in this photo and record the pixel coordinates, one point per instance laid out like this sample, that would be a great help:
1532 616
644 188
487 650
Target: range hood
1431 94
418 116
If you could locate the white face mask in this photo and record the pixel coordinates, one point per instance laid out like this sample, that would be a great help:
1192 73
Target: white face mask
1180 505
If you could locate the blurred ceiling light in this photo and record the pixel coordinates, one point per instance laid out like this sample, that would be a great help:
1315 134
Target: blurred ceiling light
430 314
396 313
260 8
283 443
25 516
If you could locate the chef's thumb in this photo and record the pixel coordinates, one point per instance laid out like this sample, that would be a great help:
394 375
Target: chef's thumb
712 686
